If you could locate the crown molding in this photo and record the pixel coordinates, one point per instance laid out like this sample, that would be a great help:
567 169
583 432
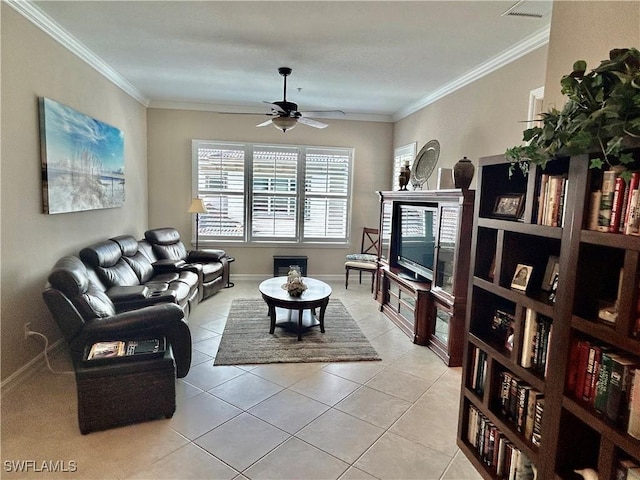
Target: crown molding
528 45
41 20
242 109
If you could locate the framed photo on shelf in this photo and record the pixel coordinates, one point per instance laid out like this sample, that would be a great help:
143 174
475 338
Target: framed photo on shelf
521 277
509 206
550 273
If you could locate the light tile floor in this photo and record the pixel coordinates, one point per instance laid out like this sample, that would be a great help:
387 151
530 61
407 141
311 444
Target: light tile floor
394 419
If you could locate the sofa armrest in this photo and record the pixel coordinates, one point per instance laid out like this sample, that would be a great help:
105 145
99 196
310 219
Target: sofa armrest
208 255
168 265
127 293
154 298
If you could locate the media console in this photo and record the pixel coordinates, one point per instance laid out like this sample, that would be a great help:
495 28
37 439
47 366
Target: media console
424 266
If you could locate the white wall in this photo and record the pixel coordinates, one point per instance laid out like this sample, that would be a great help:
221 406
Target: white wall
480 119
170 135
587 30
34 65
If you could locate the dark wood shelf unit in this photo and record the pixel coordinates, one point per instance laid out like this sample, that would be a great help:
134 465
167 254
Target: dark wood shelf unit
574 434
430 312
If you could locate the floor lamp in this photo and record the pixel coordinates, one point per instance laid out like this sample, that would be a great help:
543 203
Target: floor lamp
197 207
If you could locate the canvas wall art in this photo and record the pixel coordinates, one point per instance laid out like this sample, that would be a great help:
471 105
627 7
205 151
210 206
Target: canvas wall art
82 160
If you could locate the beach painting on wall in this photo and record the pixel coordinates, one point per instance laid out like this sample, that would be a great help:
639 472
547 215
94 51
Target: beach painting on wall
82 160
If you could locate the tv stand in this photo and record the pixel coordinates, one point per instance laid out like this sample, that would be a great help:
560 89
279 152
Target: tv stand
407 303
429 311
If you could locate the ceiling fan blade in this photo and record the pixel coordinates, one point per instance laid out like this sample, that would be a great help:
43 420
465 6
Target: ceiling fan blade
276 107
324 113
312 123
264 124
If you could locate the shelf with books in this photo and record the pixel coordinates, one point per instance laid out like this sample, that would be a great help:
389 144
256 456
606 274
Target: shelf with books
494 446
614 200
576 277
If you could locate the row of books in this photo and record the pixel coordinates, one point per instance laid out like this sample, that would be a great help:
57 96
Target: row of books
522 405
535 341
551 204
627 469
499 455
607 380
615 207
478 370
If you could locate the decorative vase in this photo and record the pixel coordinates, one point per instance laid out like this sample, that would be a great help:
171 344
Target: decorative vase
405 175
463 173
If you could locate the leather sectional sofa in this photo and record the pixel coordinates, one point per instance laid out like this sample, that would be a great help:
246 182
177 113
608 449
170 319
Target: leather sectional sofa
127 288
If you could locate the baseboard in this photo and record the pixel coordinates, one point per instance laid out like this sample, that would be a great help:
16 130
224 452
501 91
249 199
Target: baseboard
30 369
260 277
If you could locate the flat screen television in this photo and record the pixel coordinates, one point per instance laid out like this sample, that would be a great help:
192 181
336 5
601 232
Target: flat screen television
416 240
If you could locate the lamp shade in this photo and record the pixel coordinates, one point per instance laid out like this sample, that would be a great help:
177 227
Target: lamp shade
285 123
197 206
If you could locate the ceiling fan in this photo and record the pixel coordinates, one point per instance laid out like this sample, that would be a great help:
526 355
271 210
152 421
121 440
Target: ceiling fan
285 115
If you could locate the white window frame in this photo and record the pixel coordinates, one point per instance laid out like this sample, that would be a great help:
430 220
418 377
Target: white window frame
400 156
301 195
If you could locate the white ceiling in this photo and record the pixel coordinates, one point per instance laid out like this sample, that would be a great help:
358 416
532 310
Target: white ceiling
379 60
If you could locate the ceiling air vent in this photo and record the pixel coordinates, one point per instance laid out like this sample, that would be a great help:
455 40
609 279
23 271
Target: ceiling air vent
527 8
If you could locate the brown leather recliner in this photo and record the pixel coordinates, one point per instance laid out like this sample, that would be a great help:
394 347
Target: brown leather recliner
165 244
85 315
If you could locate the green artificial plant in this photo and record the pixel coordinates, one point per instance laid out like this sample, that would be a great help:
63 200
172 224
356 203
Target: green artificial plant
602 114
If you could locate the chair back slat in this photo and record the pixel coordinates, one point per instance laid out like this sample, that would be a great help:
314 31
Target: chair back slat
370 241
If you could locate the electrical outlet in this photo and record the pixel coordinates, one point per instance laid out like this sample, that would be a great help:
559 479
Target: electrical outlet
27 330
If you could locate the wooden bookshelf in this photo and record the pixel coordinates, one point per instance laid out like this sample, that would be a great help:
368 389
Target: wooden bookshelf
573 434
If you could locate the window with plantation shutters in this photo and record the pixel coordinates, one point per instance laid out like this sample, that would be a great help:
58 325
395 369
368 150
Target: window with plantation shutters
326 180
221 186
273 193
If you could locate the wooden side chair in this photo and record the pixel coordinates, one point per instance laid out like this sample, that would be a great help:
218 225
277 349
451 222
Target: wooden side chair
367 259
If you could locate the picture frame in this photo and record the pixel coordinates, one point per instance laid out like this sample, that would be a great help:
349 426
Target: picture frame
82 160
521 277
509 206
550 273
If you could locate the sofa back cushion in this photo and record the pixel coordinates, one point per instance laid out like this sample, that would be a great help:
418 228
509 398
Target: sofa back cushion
166 243
106 259
134 257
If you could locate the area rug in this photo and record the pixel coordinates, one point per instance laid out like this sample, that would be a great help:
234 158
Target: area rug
246 338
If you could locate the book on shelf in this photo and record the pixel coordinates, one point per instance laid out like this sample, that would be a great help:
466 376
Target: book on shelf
478 370
633 423
602 386
536 435
629 223
551 200
606 200
620 380
617 204
535 341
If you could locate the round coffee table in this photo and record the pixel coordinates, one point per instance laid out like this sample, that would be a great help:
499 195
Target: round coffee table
315 296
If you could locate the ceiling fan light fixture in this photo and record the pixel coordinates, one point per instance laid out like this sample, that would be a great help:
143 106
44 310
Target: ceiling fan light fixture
285 123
